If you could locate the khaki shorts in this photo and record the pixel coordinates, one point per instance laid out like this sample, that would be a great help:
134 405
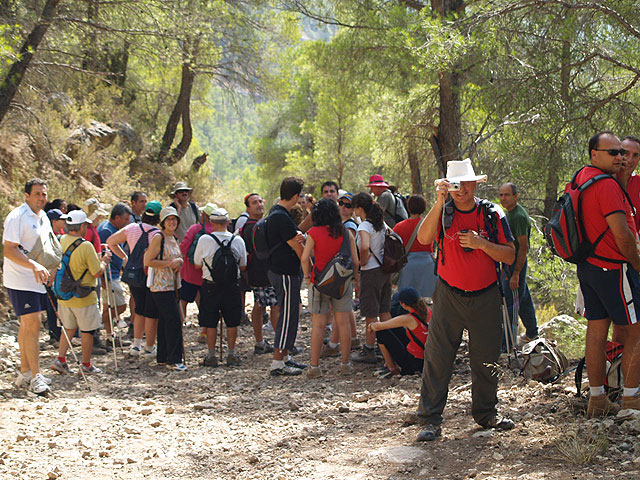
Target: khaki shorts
118 293
86 318
319 303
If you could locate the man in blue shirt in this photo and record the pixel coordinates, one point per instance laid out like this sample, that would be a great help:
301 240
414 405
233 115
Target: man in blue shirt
119 218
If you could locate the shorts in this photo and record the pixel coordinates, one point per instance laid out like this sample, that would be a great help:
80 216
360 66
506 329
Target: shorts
86 318
118 294
145 306
375 292
188 291
25 302
320 304
220 300
613 294
265 296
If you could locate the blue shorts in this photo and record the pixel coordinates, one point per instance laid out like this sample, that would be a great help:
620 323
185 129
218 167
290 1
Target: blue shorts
25 302
188 291
613 294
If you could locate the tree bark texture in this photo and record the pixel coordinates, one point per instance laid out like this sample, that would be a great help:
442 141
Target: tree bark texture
414 166
11 82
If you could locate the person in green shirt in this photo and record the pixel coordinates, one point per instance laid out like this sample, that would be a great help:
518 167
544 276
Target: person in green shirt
514 281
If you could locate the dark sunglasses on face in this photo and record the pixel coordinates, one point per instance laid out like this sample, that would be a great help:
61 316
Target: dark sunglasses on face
614 152
344 204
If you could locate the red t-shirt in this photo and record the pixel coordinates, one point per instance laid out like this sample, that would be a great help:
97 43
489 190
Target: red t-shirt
598 201
93 237
325 247
420 332
405 228
633 189
474 270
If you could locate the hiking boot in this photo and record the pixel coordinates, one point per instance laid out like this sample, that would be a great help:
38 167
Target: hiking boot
285 371
429 433
327 351
522 340
632 402
98 351
61 367
202 338
601 406
355 343
366 355
499 423
177 367
294 364
38 385
90 370
210 361
262 349
314 372
346 368
233 360
135 351
54 342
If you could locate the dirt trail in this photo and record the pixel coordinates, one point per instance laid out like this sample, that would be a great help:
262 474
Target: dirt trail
239 423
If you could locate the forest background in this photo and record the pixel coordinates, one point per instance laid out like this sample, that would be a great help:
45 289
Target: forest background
103 97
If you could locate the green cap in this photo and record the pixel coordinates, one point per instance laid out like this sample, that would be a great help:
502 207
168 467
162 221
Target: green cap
154 207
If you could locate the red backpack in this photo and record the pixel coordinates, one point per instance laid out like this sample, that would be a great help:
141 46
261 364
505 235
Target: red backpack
565 232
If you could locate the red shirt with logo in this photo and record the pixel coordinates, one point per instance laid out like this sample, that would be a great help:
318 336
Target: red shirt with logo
473 270
600 200
325 247
633 189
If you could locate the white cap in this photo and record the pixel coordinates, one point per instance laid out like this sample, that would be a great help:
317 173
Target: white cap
76 217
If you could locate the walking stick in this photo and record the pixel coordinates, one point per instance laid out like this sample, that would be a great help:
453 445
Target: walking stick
182 318
64 330
113 341
116 321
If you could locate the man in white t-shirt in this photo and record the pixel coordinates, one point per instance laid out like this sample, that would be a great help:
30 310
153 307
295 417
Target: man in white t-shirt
220 296
25 279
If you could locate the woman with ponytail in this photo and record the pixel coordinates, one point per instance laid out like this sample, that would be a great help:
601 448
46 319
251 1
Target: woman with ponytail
402 338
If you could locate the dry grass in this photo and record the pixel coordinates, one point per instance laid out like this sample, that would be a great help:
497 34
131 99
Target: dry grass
581 444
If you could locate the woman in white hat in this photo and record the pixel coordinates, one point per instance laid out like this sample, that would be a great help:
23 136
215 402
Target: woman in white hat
165 258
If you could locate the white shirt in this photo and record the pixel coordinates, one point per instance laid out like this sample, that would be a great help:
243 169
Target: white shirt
22 226
207 248
376 244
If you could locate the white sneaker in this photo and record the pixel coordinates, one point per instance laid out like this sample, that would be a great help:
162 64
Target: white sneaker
122 324
150 354
135 351
90 370
23 379
38 384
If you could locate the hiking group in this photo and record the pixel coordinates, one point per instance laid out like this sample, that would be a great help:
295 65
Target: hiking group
350 251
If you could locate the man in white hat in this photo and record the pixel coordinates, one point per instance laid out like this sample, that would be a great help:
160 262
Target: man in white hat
80 312
472 235
187 210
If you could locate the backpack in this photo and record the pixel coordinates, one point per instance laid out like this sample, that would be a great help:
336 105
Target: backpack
614 379
336 276
542 361
47 250
400 212
393 254
65 286
565 232
133 273
232 226
192 248
224 267
259 240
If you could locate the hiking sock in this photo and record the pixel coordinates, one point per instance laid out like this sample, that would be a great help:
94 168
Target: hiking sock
87 365
333 345
597 391
629 392
275 364
62 359
288 358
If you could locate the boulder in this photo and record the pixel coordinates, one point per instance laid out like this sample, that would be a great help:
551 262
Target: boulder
568 332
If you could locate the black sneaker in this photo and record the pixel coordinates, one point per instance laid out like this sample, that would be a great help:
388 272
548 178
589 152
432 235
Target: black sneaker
366 355
499 423
429 433
285 371
294 364
262 349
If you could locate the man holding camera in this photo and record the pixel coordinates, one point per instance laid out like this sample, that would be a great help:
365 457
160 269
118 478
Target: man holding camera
473 236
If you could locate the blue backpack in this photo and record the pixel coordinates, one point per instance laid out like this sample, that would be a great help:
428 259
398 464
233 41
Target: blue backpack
65 286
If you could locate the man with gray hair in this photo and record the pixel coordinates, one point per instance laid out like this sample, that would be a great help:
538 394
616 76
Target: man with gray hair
219 254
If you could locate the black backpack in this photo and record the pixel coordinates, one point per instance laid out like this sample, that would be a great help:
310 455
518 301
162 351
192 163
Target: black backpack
224 266
393 255
259 239
232 225
133 273
336 276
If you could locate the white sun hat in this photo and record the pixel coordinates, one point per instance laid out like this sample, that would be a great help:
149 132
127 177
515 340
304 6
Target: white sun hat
461 171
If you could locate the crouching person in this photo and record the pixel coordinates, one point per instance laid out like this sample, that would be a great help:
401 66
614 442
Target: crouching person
219 254
83 313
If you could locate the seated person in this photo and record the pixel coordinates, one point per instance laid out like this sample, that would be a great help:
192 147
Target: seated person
402 338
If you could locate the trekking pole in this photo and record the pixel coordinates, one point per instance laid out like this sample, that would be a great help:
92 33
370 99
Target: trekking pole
516 315
509 334
113 341
117 320
182 316
64 330
221 336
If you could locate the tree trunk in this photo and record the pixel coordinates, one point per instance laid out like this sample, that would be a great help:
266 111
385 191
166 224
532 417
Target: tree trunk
12 80
414 166
187 132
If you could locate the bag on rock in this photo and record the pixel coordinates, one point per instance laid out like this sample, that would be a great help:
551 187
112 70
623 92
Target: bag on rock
542 361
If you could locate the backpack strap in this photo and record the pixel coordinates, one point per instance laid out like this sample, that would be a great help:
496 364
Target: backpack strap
72 248
194 209
412 335
413 236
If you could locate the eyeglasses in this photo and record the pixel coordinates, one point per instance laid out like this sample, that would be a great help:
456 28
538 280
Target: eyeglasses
344 204
614 152
183 192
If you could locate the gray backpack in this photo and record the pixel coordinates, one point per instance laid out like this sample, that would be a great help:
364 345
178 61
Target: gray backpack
542 361
335 278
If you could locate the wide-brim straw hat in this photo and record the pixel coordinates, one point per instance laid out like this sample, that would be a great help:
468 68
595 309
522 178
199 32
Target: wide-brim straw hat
462 171
180 186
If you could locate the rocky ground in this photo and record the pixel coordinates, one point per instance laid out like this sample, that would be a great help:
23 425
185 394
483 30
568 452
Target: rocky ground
238 423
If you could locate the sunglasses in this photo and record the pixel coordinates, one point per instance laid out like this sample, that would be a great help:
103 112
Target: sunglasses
344 204
614 152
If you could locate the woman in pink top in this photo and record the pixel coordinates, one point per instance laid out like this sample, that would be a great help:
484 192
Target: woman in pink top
323 242
145 316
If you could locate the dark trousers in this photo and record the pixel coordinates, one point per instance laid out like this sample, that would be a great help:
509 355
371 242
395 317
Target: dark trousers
520 304
288 292
452 313
170 346
396 340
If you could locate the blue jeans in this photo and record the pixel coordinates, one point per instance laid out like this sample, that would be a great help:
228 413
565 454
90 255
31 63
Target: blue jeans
523 303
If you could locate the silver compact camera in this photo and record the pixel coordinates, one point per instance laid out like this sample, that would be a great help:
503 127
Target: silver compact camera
453 186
